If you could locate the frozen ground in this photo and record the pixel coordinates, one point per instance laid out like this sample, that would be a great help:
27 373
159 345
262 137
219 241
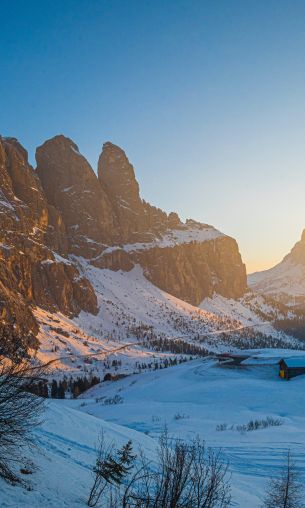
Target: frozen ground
190 399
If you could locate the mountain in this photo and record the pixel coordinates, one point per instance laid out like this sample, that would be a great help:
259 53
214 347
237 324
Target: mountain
66 231
286 280
109 223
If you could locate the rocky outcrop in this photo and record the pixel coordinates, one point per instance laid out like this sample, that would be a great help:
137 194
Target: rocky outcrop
190 270
297 253
71 186
30 272
195 271
138 220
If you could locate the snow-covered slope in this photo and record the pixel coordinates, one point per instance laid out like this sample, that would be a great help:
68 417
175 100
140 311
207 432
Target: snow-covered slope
192 399
134 314
286 280
186 234
63 458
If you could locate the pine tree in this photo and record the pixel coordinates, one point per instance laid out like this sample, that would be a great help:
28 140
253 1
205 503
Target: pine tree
285 491
110 469
54 389
61 391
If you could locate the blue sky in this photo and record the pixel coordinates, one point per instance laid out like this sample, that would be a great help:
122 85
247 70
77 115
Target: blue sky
207 98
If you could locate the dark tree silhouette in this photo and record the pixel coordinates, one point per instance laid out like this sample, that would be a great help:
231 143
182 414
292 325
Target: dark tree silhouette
110 469
20 412
285 491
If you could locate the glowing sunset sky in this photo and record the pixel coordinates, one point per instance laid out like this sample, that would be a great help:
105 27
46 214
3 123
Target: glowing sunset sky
207 99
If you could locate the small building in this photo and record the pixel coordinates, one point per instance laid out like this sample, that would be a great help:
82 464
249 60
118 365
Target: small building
292 367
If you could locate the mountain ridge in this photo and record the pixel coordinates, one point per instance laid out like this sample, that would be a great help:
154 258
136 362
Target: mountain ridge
64 210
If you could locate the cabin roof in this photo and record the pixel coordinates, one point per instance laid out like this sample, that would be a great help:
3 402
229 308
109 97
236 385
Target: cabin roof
294 362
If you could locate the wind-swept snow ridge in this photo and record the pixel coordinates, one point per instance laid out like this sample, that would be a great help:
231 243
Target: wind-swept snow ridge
196 233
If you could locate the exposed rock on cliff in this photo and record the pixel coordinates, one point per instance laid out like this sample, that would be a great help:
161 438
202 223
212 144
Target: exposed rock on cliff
139 221
30 272
190 263
72 187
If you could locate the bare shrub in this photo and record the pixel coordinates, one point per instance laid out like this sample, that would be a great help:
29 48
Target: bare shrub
20 413
186 476
264 423
221 427
109 401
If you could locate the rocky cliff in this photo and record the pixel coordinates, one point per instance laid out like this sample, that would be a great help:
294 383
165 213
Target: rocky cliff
138 220
64 210
71 186
31 271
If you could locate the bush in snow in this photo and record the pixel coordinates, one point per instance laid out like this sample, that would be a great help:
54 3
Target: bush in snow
185 476
117 399
251 425
20 412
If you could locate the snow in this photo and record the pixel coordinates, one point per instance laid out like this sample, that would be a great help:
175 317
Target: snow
243 310
127 301
64 454
75 151
130 297
5 202
174 237
285 278
194 398
57 259
295 362
74 352
191 399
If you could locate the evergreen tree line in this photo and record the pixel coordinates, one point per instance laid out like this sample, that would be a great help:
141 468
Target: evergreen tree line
176 346
59 389
164 364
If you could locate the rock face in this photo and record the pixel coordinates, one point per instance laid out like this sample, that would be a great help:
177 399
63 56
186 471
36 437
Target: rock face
190 263
64 210
31 273
71 186
193 272
137 219
297 254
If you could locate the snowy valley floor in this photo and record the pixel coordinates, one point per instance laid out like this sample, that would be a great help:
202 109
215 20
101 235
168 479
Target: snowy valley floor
191 399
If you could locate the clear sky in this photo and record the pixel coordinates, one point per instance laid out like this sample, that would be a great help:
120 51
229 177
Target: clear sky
206 97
